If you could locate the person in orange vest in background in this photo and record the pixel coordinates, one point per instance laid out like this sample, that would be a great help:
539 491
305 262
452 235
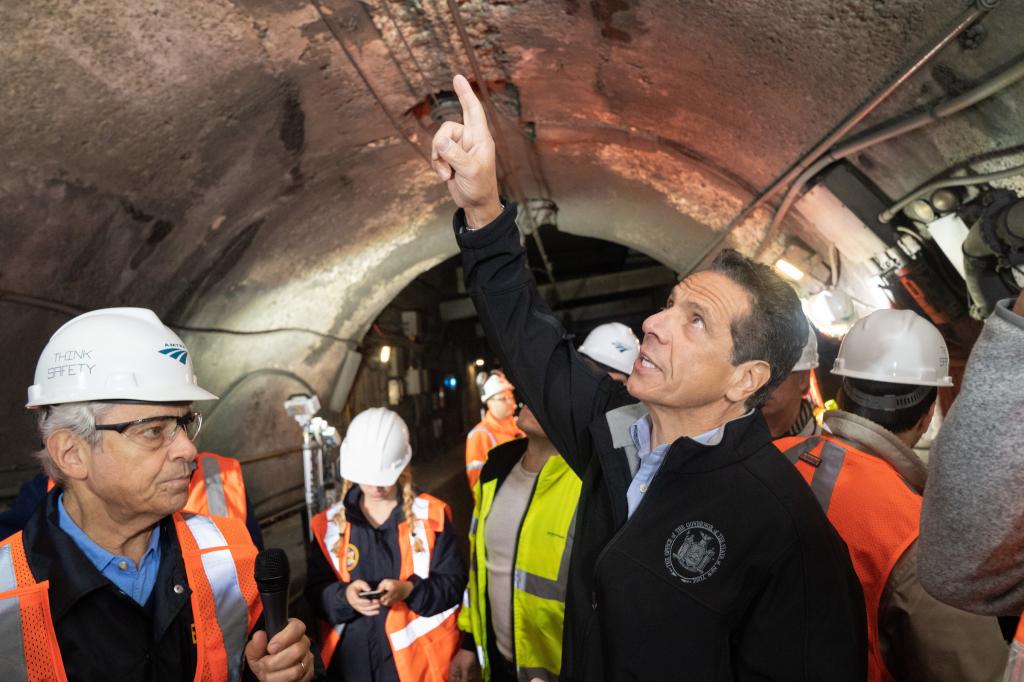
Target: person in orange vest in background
789 411
972 539
217 489
384 571
869 481
109 580
498 425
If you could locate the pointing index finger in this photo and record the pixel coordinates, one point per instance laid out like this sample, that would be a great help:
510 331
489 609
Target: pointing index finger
473 116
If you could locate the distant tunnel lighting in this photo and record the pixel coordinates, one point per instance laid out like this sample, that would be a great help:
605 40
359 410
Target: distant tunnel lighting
479 362
789 270
385 354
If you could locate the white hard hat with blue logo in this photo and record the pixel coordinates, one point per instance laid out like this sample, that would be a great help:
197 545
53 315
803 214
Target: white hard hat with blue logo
115 354
613 345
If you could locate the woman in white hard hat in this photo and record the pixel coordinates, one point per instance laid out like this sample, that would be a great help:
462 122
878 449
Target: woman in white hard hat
384 573
498 425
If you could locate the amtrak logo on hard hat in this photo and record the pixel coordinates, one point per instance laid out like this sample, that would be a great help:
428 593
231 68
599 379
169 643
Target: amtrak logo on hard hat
694 551
619 346
175 351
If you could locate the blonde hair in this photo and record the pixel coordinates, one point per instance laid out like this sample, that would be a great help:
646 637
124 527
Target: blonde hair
404 486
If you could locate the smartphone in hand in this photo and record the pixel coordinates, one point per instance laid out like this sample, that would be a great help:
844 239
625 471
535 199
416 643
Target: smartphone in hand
371 594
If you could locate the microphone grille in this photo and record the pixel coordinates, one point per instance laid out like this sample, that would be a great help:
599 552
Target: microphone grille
272 570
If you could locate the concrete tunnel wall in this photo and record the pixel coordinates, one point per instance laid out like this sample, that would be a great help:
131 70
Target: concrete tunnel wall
224 163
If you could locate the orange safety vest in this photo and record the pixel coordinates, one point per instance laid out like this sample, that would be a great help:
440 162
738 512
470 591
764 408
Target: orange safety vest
217 488
488 434
219 560
873 509
423 646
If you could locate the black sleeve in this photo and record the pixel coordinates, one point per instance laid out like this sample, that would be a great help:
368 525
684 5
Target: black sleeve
443 588
29 496
808 622
563 391
324 592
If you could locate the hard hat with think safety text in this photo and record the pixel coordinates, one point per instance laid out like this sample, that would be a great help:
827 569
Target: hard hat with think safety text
495 384
809 355
613 345
897 347
376 448
115 354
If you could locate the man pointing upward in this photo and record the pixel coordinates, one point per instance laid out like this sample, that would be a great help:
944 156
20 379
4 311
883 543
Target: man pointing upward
698 548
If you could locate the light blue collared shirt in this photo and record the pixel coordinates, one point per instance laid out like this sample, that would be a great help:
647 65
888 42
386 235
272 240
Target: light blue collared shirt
136 582
651 460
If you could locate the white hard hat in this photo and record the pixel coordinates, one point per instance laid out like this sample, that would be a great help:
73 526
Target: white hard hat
613 345
809 355
897 347
495 384
376 448
115 354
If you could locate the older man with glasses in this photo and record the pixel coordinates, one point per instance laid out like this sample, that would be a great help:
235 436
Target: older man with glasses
109 580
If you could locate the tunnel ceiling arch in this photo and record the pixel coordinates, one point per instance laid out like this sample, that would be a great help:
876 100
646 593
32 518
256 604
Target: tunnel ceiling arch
235 164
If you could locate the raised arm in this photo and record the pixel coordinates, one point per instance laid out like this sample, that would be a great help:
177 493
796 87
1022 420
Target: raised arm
972 521
535 350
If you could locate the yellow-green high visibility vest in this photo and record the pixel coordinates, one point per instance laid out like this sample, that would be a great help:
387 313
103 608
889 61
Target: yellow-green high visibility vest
541 564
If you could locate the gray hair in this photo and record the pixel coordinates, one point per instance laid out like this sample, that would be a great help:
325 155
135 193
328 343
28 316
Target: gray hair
78 418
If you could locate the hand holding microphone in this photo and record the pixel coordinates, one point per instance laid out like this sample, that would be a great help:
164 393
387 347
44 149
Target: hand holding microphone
287 655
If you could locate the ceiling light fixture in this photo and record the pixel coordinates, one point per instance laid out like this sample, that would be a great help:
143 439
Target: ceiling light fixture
788 270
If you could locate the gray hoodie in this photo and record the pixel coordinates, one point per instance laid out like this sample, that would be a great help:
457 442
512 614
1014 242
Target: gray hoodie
972 522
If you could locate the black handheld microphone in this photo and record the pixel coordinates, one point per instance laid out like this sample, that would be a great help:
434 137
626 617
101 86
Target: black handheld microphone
272 580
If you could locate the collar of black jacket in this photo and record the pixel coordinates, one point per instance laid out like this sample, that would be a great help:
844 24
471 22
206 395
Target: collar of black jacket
53 555
502 458
742 437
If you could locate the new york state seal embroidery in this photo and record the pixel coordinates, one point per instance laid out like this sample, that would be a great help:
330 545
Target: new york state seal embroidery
694 551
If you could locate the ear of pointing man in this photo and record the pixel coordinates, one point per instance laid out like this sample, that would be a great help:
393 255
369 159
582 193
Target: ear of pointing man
463 156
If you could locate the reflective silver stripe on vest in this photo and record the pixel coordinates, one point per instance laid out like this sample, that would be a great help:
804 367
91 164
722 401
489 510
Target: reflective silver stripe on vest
1015 664
8 579
12 646
530 674
545 588
619 420
824 480
214 479
801 449
230 606
419 627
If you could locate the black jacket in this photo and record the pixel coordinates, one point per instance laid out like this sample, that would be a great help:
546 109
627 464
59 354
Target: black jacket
364 654
103 633
727 570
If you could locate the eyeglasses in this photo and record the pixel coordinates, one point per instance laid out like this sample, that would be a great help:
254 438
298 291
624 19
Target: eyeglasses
154 433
